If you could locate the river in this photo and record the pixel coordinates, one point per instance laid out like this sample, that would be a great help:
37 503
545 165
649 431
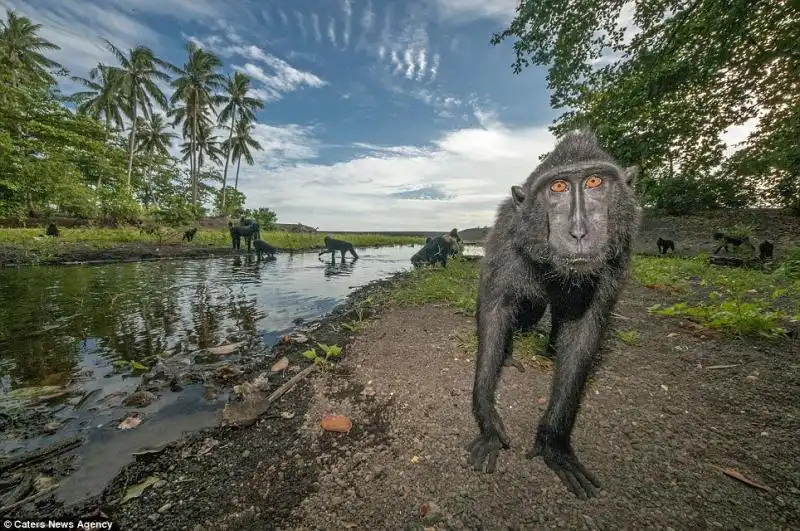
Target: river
64 327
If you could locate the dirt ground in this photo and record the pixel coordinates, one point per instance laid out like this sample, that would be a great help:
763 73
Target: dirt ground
657 419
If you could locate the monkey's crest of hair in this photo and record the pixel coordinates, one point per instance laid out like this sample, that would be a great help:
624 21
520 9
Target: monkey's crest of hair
526 224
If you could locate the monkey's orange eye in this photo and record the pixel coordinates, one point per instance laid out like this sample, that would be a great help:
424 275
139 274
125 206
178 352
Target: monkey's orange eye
559 186
594 181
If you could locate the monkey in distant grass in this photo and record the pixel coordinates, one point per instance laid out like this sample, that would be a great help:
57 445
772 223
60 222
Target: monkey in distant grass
435 250
765 250
562 239
52 230
332 245
261 247
736 241
189 234
665 245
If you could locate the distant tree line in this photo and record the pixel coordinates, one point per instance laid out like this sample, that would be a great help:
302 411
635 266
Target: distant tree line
104 151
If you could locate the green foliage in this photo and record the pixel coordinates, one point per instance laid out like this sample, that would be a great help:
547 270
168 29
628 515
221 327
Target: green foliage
662 97
739 301
267 219
791 263
629 337
328 352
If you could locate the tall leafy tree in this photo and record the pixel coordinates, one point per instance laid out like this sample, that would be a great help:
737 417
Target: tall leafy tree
194 87
21 50
103 100
239 145
667 93
153 138
205 145
238 106
136 78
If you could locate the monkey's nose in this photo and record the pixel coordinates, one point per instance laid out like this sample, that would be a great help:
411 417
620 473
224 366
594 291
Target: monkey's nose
578 232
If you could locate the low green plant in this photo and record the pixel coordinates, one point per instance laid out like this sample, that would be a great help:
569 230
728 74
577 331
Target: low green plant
456 285
322 361
629 337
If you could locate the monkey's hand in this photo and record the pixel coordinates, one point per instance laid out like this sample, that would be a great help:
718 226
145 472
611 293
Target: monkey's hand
485 448
561 459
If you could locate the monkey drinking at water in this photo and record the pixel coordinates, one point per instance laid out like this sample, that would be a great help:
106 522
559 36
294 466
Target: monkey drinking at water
665 245
263 248
736 241
562 239
332 245
248 232
435 250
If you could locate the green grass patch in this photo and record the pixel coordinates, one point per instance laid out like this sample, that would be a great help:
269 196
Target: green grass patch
526 346
629 337
102 238
743 302
455 285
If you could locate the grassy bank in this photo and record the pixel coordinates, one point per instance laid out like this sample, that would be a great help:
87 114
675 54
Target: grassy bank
739 302
30 246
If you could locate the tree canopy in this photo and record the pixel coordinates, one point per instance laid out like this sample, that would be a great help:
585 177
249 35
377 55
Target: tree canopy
106 151
662 96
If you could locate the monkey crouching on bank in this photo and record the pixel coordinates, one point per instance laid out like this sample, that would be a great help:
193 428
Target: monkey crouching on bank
562 239
665 245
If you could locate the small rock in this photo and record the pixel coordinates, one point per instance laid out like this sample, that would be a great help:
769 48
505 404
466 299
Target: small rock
246 453
164 508
139 399
281 365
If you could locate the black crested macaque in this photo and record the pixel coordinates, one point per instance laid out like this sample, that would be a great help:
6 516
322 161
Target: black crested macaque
428 239
248 232
243 221
52 230
263 248
736 241
435 250
457 239
562 239
665 245
189 234
332 245
765 249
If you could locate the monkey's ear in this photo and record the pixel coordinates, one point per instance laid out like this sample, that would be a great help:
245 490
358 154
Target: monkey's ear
517 195
631 172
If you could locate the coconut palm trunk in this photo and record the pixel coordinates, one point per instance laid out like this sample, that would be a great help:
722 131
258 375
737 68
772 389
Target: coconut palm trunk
132 138
227 158
236 183
196 175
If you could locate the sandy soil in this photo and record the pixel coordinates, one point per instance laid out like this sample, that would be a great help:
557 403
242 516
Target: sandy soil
657 418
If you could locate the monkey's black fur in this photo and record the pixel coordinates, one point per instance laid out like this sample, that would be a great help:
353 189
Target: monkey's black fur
189 234
248 232
765 249
736 241
562 239
665 245
332 245
52 230
263 248
437 249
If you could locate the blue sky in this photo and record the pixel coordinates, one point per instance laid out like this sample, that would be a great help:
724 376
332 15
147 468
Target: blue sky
380 114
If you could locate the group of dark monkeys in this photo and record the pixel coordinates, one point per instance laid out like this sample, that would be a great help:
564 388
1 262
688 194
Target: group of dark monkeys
765 248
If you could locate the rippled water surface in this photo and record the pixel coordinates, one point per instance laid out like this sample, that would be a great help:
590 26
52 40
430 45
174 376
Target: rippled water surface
65 326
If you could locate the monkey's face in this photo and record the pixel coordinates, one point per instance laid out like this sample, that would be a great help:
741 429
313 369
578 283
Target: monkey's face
569 213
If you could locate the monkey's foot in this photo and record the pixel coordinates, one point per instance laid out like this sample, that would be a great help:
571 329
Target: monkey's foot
484 450
563 462
511 362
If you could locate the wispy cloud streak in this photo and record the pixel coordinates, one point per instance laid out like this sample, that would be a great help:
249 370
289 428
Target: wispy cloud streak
332 31
301 24
347 7
315 25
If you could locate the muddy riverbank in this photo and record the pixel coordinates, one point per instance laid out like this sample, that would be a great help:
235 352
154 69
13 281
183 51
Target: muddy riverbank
664 417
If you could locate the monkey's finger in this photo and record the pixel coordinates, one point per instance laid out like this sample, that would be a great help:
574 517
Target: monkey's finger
491 460
585 474
586 484
572 484
479 456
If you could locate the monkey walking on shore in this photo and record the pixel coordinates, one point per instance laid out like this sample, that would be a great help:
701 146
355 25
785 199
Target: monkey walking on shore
562 239
665 245
189 234
332 245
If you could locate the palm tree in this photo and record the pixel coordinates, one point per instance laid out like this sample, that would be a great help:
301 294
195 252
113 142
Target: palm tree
153 138
206 144
197 79
135 78
239 146
21 47
102 100
237 105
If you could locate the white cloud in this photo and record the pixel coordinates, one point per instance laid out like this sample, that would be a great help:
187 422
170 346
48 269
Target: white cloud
435 66
284 17
368 17
332 31
476 167
422 60
410 65
266 16
468 10
348 15
315 25
301 24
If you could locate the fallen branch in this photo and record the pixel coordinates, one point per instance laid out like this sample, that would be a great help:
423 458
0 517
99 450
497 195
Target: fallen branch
712 367
735 474
32 497
279 392
37 456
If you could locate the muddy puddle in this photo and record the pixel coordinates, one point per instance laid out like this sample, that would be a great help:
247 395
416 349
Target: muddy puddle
76 343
